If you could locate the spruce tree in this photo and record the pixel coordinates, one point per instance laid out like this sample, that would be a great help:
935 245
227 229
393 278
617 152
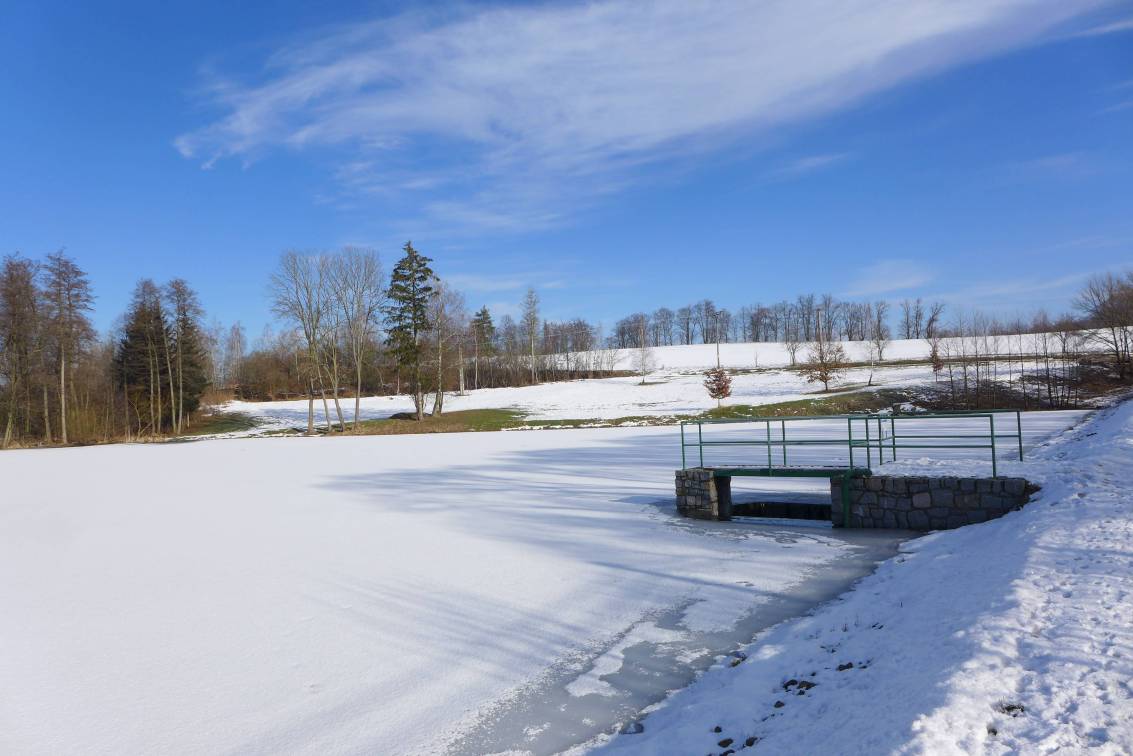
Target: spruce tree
407 316
483 336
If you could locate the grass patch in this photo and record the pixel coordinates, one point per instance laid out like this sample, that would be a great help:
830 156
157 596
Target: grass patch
221 422
462 421
833 404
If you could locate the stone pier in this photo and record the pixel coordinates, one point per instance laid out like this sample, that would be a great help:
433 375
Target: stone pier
874 501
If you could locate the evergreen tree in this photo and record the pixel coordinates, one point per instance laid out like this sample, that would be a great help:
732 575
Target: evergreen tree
407 316
483 336
189 362
141 361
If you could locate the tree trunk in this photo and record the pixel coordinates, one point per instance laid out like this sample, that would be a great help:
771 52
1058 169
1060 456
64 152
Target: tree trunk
310 406
357 391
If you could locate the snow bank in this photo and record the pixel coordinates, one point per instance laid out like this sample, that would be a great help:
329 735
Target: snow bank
1007 637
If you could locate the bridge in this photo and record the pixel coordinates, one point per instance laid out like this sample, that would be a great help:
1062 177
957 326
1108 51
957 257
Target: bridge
841 448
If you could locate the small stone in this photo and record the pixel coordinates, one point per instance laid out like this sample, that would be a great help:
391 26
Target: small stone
806 685
725 742
750 742
1011 709
633 728
844 667
778 704
717 728
790 683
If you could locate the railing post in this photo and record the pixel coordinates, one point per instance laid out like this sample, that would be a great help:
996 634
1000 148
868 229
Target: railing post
700 440
880 442
850 439
1019 430
893 437
991 422
684 465
768 425
868 458
783 431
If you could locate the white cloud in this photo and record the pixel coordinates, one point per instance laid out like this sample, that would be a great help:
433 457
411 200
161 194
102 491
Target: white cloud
506 117
888 276
1115 27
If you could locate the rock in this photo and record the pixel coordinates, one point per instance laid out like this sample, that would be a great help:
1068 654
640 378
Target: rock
1011 709
1015 486
807 685
633 728
922 500
750 742
790 684
778 704
844 667
717 728
725 742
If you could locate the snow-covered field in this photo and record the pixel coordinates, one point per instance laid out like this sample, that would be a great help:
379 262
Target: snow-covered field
1015 636
674 386
397 594
667 392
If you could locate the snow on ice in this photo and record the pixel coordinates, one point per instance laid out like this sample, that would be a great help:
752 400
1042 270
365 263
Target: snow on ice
387 594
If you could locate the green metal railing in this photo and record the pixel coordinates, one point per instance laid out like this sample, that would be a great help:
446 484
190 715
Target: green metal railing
879 435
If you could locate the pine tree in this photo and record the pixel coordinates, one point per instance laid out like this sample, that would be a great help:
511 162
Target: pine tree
141 361
407 316
189 372
483 335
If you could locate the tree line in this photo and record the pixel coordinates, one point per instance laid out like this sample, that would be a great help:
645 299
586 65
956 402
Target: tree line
61 383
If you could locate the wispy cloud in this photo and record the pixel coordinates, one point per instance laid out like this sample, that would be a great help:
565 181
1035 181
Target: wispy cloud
1015 292
806 165
507 118
1115 27
887 276
1066 165
1117 107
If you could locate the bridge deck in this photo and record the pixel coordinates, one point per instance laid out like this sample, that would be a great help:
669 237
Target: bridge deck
763 471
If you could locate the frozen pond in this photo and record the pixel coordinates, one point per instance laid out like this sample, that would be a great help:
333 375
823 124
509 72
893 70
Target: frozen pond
386 594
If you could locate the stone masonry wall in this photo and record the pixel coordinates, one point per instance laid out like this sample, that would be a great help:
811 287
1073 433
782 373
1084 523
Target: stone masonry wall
924 503
703 496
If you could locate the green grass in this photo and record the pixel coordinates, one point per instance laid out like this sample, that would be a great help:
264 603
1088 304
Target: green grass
221 422
508 419
462 421
831 404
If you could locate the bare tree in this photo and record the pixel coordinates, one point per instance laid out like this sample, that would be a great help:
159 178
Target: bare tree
531 324
357 280
643 355
449 320
69 299
879 329
299 291
825 361
1107 302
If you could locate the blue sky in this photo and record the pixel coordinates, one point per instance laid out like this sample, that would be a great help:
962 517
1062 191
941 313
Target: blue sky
616 156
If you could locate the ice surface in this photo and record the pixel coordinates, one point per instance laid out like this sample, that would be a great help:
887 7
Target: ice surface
377 594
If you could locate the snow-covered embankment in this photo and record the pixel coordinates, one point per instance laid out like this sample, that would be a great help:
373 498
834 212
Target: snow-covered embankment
1011 636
